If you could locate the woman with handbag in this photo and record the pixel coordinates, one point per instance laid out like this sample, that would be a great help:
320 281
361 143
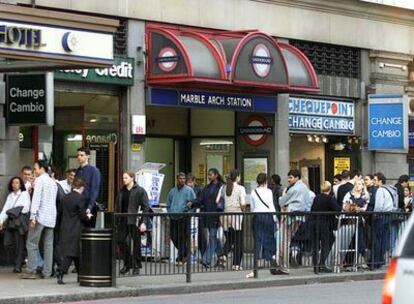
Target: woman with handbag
265 223
234 201
15 213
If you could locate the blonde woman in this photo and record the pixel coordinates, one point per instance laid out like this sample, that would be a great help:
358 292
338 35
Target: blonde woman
356 201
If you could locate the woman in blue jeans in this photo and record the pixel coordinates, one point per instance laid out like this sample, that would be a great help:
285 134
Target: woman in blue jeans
265 223
211 201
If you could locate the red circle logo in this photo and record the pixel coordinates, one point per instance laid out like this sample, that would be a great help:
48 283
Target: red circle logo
251 123
167 59
334 108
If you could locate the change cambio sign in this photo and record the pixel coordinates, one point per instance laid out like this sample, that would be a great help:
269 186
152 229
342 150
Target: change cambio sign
387 122
30 99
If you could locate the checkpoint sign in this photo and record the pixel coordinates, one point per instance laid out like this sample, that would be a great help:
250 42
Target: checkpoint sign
256 131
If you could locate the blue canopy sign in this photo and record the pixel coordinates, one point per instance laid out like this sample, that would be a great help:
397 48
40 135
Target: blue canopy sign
387 122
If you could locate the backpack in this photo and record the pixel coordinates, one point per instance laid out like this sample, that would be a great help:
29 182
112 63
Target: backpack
394 195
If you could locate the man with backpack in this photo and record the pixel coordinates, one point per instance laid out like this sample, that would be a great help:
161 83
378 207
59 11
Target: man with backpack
386 200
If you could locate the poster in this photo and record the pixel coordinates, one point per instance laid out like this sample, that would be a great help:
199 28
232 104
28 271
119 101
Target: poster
251 168
341 164
152 183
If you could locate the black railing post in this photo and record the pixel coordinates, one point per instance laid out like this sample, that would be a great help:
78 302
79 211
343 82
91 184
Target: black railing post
316 245
372 266
188 242
114 233
255 257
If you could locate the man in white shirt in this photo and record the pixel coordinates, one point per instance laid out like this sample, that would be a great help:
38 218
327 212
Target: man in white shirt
67 183
381 222
42 222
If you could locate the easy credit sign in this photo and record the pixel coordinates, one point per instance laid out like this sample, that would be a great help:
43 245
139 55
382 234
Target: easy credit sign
387 122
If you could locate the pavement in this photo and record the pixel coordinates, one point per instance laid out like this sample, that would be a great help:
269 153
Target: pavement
17 291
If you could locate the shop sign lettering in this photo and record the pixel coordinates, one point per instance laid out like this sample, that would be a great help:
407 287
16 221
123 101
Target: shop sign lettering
120 73
387 122
21 36
102 138
215 101
212 100
321 116
29 99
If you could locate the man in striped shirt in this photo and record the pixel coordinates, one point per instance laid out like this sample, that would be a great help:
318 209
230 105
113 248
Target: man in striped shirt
42 222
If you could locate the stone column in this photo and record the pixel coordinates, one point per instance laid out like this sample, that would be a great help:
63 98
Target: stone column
133 102
281 134
389 75
9 147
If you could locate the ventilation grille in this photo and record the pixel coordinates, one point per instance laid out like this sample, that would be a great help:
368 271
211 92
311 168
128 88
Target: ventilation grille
332 60
121 38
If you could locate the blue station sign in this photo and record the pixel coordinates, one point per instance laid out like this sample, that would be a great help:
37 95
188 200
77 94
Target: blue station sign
387 125
210 100
321 116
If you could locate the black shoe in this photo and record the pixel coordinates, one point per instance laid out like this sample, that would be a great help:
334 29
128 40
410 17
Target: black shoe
205 266
124 270
59 276
135 271
17 270
39 270
324 269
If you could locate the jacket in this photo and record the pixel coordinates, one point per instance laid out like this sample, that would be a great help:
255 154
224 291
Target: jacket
138 202
296 197
72 210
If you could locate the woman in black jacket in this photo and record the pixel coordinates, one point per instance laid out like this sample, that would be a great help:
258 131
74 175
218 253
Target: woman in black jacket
131 199
322 227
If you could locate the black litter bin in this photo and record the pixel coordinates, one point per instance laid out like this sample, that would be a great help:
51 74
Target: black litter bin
96 258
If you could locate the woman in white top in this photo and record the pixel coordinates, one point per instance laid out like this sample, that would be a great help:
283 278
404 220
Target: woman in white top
265 225
234 201
18 197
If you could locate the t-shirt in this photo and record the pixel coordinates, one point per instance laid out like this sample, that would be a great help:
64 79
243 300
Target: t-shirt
125 200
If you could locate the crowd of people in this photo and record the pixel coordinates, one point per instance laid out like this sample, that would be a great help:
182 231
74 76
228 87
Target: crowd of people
288 218
43 216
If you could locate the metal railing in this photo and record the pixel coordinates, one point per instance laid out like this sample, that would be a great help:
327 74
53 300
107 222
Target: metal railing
188 243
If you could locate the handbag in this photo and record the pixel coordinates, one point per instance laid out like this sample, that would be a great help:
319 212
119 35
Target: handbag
220 200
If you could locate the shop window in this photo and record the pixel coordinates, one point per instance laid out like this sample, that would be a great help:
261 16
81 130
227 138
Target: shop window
92 120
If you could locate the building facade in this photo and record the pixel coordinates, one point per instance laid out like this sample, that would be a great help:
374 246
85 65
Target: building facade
356 48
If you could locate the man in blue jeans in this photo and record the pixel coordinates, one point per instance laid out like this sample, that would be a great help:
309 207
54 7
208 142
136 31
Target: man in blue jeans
180 199
42 222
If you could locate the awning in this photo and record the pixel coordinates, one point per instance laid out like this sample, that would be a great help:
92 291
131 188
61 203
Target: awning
36 39
232 61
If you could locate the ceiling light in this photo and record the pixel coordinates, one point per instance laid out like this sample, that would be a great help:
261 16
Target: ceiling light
77 137
324 139
215 142
310 138
93 119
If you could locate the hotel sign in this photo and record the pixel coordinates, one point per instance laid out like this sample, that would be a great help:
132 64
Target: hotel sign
21 39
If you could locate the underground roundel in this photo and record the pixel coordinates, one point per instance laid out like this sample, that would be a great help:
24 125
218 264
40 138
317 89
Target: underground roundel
167 59
254 123
261 60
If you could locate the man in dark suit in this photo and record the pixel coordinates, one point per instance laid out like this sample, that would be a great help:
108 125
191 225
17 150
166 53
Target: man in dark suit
71 210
